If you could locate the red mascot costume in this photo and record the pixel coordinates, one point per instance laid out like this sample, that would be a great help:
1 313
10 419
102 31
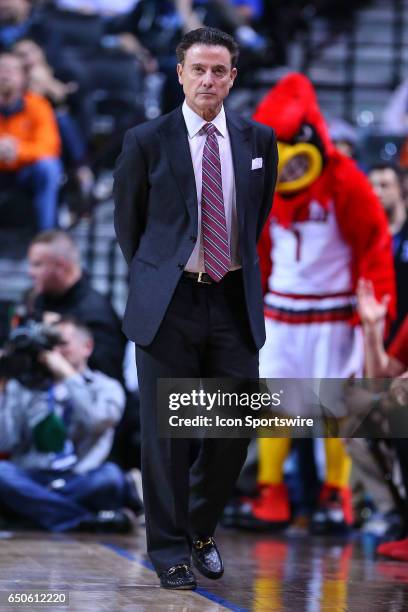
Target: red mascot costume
325 231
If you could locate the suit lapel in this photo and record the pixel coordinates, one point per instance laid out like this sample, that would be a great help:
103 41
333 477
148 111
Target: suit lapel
239 133
175 141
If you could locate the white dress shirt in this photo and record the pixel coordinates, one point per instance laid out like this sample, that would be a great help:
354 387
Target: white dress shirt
196 141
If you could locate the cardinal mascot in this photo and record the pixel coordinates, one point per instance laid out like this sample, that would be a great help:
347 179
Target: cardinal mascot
326 230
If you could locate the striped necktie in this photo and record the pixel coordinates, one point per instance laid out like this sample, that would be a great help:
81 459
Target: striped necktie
217 258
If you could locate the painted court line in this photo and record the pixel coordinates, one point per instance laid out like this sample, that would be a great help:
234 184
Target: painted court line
199 590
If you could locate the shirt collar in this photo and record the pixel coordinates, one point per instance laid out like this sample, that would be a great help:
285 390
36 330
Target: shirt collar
12 109
194 122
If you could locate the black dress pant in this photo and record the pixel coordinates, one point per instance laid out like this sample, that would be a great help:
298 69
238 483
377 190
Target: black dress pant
205 333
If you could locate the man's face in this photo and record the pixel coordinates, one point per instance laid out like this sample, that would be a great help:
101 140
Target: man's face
13 11
44 269
386 185
206 76
76 347
29 53
12 77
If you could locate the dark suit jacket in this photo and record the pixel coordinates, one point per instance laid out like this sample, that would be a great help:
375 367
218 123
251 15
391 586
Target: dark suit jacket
156 214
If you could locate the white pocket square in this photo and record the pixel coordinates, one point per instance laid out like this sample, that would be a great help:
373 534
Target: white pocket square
257 162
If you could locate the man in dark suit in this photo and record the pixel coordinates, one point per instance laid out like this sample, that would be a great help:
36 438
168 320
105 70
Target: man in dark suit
192 191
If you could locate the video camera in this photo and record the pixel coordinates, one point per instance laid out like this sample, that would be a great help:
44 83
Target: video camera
19 357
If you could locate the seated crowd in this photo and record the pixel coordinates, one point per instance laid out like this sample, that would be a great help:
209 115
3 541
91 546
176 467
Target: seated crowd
62 405
77 74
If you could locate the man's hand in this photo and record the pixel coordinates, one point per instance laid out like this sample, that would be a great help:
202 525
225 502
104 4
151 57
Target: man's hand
399 390
130 44
51 318
371 311
59 367
8 149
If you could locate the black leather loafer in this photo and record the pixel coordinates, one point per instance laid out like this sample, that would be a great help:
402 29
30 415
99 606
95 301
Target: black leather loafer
178 577
206 558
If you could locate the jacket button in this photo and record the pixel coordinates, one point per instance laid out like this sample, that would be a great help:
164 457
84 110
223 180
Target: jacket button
193 238
180 266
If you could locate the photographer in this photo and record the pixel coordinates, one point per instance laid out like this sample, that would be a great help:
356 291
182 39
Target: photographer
58 440
61 286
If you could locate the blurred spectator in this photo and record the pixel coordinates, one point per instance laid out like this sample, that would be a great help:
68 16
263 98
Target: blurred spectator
114 21
29 141
59 440
240 17
344 136
395 115
385 180
234 16
385 521
250 9
17 19
60 286
40 77
404 179
151 30
148 33
97 7
41 80
392 363
281 20
380 363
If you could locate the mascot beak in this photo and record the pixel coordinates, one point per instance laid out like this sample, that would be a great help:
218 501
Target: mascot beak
299 166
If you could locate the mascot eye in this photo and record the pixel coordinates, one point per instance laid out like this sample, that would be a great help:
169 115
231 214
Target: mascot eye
305 134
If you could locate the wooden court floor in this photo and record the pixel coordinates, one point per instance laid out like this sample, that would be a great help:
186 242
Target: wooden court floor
263 573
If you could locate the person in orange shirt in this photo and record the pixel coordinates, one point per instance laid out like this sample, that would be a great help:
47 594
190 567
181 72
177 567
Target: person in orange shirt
29 141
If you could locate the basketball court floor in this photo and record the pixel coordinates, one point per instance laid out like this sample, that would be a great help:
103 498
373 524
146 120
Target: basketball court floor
263 573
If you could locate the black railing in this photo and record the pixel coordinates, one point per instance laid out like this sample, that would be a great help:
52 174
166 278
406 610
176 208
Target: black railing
103 268
346 36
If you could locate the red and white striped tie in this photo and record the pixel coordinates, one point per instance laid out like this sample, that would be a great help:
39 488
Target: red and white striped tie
217 258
